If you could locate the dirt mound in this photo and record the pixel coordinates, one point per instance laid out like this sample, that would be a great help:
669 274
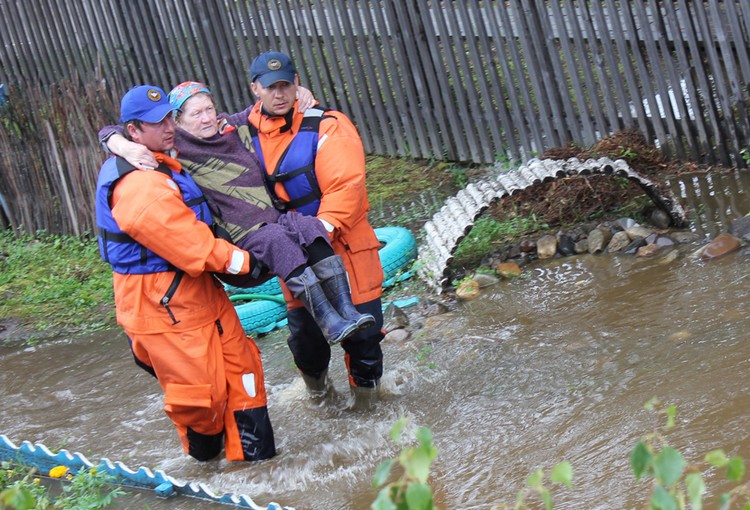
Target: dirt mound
568 201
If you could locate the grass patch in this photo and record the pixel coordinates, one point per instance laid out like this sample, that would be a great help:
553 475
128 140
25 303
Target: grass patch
407 192
489 232
55 283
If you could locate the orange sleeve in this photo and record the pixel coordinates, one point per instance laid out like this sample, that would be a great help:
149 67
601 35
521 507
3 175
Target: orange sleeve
151 211
340 170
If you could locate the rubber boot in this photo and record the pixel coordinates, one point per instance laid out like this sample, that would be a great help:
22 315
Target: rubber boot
319 388
306 287
332 275
363 398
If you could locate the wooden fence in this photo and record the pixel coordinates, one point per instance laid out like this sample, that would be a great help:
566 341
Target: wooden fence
466 80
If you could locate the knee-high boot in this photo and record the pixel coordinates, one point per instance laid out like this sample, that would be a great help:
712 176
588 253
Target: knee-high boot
307 288
332 275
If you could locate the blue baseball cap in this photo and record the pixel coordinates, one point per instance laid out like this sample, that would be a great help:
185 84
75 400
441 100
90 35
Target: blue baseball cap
272 66
147 103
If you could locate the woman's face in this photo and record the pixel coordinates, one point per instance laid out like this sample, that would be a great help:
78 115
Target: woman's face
198 116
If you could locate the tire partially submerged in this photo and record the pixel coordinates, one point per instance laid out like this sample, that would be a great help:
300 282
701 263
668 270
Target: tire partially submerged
266 310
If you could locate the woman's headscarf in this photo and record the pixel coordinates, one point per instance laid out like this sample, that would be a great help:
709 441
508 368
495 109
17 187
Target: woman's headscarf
184 91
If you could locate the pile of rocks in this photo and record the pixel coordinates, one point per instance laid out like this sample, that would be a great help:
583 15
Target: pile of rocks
624 236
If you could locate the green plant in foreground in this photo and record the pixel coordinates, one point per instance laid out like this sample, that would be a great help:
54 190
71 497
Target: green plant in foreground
677 483
411 491
89 489
561 473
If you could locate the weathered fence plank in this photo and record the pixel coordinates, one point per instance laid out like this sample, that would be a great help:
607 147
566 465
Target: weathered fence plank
463 80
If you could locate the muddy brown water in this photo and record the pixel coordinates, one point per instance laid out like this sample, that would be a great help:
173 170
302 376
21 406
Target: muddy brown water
552 366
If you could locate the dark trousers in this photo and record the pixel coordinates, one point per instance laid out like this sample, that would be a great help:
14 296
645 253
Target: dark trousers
312 354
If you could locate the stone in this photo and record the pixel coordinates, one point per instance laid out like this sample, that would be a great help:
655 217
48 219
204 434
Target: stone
670 257
598 240
649 250
397 336
634 246
626 223
723 243
467 289
485 280
566 246
508 270
638 231
394 318
546 246
684 237
582 246
619 242
660 219
527 245
432 307
740 228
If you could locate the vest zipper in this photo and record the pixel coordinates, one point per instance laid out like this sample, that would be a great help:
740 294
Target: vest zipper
170 293
219 327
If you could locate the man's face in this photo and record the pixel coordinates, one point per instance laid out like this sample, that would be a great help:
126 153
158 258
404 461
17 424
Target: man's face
157 136
198 116
278 98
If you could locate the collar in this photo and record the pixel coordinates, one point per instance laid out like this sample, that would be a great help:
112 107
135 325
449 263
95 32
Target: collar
168 161
288 117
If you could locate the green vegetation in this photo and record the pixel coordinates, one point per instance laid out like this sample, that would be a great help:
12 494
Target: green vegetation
407 192
410 491
54 283
677 483
22 489
488 233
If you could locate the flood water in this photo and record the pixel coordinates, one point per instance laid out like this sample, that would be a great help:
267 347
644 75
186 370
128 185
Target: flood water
555 365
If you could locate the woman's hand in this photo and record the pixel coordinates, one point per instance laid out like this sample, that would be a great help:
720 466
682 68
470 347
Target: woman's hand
305 99
134 153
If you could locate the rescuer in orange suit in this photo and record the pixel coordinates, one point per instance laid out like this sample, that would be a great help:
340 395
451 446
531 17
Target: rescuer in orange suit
315 164
154 229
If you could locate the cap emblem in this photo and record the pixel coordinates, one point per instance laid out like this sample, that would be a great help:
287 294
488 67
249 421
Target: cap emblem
274 64
153 95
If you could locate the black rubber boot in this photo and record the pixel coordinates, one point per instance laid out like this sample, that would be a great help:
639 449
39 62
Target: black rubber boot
306 287
332 275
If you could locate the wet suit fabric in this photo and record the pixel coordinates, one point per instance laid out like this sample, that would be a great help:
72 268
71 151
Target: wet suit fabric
209 370
340 173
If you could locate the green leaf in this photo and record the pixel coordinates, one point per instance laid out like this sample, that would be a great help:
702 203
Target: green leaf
546 499
397 429
424 436
418 465
668 466
651 404
696 488
661 499
735 469
563 473
717 458
671 413
535 479
419 497
724 500
383 501
640 459
381 473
